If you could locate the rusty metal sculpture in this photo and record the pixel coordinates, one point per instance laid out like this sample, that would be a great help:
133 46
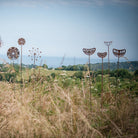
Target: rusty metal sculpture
119 53
108 43
89 52
102 55
35 55
13 53
21 42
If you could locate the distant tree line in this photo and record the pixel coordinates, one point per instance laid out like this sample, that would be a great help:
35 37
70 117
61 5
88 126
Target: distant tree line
131 66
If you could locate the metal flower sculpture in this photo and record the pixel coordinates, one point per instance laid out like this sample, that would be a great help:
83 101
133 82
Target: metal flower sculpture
21 41
13 53
108 43
102 55
89 52
119 53
35 54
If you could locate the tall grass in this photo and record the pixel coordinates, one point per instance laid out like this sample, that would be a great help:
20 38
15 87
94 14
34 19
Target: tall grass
49 107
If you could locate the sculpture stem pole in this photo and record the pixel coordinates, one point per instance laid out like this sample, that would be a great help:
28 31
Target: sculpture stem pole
108 67
102 76
117 74
90 82
102 87
34 60
118 64
108 61
21 70
14 77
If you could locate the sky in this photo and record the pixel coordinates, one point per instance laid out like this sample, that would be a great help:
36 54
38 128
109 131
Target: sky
65 27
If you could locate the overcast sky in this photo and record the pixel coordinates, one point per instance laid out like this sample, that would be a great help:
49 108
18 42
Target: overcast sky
64 27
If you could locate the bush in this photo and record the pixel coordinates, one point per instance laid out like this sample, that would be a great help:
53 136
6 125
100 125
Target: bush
1 77
136 73
10 77
122 73
53 75
78 74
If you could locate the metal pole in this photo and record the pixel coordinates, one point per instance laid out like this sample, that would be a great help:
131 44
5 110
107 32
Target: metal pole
14 76
117 74
108 43
102 55
34 60
90 82
102 86
89 52
108 68
102 76
34 76
21 70
118 64
108 62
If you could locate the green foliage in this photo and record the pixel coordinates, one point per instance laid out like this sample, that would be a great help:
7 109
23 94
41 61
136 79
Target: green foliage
122 73
4 69
133 65
1 77
98 87
78 74
17 68
53 75
96 73
10 77
67 83
136 73
45 66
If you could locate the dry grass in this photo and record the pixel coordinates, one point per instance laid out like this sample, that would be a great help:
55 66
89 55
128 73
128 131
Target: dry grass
50 110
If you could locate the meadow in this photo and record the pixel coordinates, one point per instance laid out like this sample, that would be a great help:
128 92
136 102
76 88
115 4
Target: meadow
57 103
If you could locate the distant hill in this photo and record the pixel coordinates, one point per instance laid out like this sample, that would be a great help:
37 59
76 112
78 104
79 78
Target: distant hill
131 65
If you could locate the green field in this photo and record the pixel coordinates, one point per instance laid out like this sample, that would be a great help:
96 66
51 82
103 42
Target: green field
57 103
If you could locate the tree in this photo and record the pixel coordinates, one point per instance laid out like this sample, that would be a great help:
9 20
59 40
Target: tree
136 73
45 66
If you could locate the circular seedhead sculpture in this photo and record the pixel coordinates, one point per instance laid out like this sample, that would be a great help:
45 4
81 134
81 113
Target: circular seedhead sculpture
21 41
13 53
119 53
89 51
102 55
35 53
